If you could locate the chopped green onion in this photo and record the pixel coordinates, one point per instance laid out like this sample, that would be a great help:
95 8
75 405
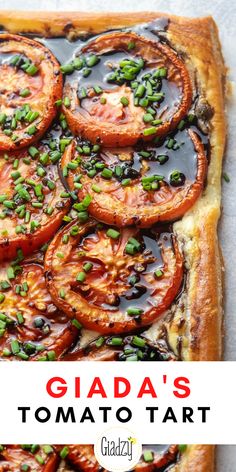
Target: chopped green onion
132 311
76 323
112 233
81 276
149 131
148 456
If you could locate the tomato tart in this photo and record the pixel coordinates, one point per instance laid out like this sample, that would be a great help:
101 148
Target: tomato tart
112 133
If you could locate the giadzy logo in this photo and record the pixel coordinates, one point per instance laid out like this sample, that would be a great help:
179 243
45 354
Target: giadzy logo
118 450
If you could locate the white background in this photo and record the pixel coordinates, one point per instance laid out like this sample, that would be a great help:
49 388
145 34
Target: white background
212 385
224 12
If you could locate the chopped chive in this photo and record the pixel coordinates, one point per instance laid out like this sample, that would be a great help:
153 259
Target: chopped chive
148 456
97 89
87 266
24 92
135 243
125 182
92 60
81 276
170 143
64 452
67 68
157 122
15 347
181 125
182 448
67 102
39 459
132 311
74 231
86 72
124 101
131 45
76 323
140 91
3 118
100 341
158 273
116 341
83 216
130 249
149 131
147 117
65 238
33 151
226 177
58 103
78 63
112 233
22 355
31 70
20 318
10 273
96 188
51 355
48 449
31 130
6 352
139 342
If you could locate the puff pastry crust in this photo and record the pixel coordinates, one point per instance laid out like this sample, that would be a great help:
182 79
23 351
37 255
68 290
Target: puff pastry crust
198 42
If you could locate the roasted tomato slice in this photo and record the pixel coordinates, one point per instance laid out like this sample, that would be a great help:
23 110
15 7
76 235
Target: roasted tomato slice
32 203
121 94
82 458
31 83
141 186
37 458
154 458
31 326
113 281
121 348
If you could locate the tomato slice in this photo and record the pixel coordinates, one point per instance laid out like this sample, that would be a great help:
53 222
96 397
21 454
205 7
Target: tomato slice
32 203
12 458
113 281
158 457
141 186
31 326
82 458
121 94
31 83
121 348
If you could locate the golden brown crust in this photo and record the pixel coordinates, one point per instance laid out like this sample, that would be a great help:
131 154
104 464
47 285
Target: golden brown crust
197 458
198 40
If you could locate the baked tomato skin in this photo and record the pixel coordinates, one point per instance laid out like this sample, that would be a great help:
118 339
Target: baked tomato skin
113 281
32 327
119 116
29 88
83 459
129 199
12 458
31 203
